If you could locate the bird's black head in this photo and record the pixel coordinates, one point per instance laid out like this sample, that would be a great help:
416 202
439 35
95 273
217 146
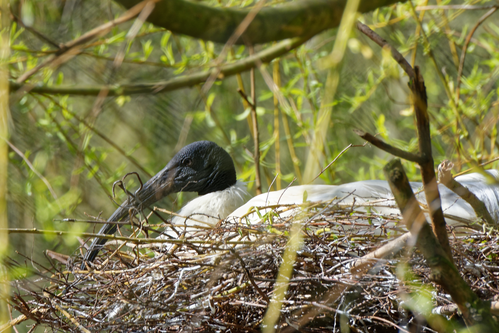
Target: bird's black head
201 167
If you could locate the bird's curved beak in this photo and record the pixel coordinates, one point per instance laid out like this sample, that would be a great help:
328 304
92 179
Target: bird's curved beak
152 191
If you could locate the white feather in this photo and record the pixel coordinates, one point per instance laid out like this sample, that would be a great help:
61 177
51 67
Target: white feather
378 191
207 210
212 207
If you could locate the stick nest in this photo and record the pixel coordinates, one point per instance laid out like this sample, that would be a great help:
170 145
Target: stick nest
218 286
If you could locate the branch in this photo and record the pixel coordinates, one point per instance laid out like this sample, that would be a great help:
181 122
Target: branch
383 43
295 19
389 250
179 82
388 148
474 310
425 158
427 166
70 49
465 50
445 177
120 238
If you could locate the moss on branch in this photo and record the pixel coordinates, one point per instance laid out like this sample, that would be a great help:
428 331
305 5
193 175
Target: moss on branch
295 19
179 82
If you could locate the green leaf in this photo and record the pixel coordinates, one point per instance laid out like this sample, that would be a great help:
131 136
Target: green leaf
244 115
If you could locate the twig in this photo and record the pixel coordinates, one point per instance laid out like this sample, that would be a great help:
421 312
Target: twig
383 43
35 32
386 251
256 133
445 177
388 148
362 317
118 238
465 50
71 48
250 278
45 181
71 318
336 158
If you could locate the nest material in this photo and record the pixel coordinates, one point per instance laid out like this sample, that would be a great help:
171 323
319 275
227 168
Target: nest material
223 287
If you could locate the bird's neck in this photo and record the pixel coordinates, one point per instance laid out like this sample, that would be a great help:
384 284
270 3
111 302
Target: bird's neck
213 206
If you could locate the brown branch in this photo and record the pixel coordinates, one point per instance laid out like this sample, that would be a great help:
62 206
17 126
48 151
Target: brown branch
427 164
383 43
474 310
386 251
445 177
388 148
35 32
250 278
133 240
272 23
425 158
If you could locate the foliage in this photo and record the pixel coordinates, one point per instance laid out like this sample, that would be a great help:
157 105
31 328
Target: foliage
79 145
67 137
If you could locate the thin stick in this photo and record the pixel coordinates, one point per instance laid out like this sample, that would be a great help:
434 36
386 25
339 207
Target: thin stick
338 156
465 50
388 148
71 48
256 136
120 238
45 181
383 43
277 81
445 177
250 278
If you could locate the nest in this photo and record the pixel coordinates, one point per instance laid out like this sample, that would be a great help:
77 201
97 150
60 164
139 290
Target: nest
213 283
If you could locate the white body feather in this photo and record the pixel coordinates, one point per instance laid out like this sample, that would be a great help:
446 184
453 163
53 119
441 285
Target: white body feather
370 190
210 208
207 210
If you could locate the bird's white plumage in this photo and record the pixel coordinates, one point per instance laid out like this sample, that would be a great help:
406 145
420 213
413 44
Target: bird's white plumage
379 191
208 209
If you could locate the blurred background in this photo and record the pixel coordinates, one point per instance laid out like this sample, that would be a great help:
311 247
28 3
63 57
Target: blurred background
73 133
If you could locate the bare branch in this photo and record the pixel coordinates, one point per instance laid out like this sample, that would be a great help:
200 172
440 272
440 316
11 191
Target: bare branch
388 148
383 43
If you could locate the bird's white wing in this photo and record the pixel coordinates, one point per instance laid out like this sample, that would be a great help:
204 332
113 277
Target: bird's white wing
379 191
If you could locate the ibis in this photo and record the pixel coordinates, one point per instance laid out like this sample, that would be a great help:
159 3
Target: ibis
207 169
201 167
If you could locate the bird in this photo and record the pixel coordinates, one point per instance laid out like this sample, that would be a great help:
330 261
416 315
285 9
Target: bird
207 169
202 167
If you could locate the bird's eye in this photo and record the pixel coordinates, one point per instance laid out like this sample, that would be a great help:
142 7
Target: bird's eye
187 162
